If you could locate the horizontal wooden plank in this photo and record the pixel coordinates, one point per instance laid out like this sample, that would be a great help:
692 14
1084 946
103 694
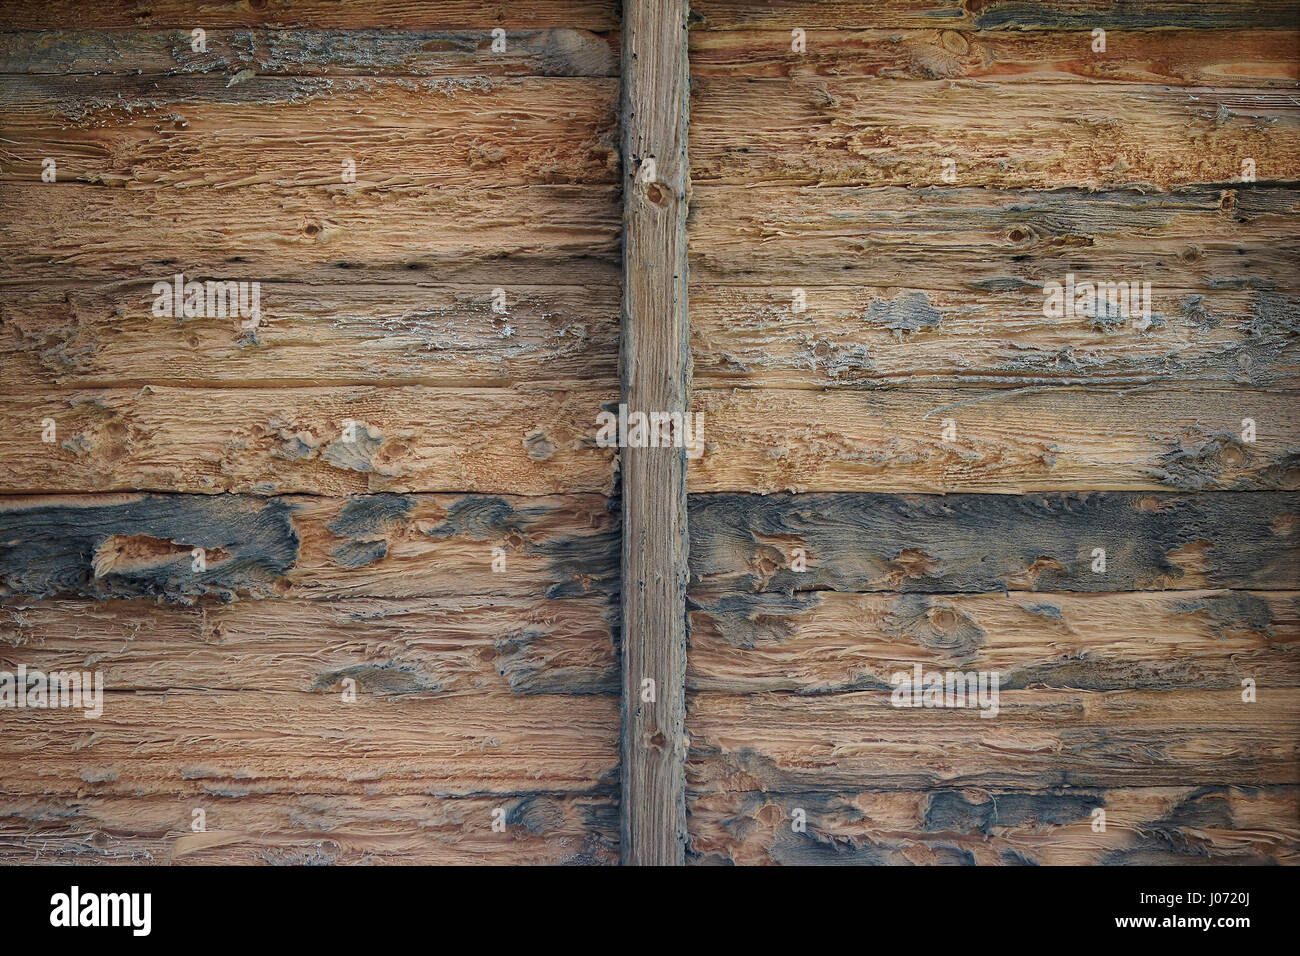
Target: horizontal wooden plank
319 14
309 829
79 335
865 337
231 744
415 52
445 132
1005 441
993 14
480 647
987 543
824 641
1263 58
392 546
532 234
1144 826
874 132
982 239
290 440
1039 738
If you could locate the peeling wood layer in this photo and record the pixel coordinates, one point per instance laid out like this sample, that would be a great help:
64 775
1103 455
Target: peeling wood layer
869 337
873 132
389 546
989 543
1006 441
1165 826
829 642
192 131
560 51
542 828
976 240
1249 58
75 335
289 440
1040 738
187 742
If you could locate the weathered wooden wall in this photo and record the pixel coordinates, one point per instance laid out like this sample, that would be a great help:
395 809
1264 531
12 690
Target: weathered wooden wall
328 559
824 171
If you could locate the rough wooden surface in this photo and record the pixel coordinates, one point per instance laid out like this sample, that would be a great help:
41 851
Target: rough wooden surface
387 546
1007 441
407 438
559 51
823 642
542 828
1040 738
875 132
1166 826
987 543
871 337
655 362
64 335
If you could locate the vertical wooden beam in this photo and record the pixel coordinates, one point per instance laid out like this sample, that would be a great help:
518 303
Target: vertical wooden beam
655 371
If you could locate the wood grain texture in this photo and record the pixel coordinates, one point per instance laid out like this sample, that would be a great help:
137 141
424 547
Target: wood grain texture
869 337
466 646
1232 58
215 742
1040 738
971 240
823 642
560 51
1006 441
195 131
656 378
876 132
312 829
288 440
529 234
994 14
78 335
388 546
1165 826
318 14
989 543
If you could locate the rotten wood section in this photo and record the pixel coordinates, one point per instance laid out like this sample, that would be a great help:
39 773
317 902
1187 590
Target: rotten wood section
440 132
559 51
79 335
287 440
872 337
989 543
1009 441
311 829
1235 58
595 15
1044 737
993 14
872 132
1161 826
135 546
828 642
656 378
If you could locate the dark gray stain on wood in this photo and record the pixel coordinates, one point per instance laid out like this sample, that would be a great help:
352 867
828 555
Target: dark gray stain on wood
1020 15
951 810
971 542
141 547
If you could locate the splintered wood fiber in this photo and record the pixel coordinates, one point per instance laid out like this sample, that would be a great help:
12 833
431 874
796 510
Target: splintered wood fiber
983 319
